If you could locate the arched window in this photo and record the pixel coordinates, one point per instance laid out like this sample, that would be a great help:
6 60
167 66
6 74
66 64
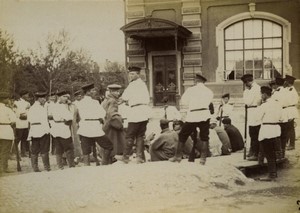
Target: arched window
253 42
253 46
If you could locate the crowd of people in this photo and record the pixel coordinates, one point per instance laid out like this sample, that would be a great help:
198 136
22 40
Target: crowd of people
74 131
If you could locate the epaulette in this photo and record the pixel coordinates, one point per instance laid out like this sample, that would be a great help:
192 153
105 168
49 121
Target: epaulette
291 89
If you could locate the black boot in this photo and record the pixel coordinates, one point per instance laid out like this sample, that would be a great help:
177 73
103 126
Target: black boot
178 155
70 158
46 162
59 161
86 160
272 172
140 148
127 150
34 163
203 154
106 157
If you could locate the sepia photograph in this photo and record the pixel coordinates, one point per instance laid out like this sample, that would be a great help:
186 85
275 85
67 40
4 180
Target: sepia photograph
149 106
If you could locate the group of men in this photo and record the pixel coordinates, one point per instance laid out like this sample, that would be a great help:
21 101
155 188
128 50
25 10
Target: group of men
270 116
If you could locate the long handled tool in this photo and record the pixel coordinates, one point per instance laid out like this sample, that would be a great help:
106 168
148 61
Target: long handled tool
245 132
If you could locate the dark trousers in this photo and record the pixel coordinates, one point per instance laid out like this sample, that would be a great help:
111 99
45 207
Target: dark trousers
291 135
269 151
40 145
21 135
283 135
5 146
254 144
135 131
88 143
63 145
189 128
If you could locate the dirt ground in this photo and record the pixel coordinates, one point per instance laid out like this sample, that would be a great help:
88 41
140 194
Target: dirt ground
152 187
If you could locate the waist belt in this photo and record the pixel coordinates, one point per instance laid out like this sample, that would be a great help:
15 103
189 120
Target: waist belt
251 106
288 106
137 105
270 123
59 121
92 119
35 123
201 109
4 123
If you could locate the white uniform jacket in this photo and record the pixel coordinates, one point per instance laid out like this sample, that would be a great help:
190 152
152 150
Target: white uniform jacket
38 121
7 116
252 98
197 98
269 114
21 107
138 99
280 95
61 114
90 111
226 110
292 99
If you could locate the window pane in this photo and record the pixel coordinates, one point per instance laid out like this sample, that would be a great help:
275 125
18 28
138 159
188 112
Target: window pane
271 29
239 74
235 31
253 28
234 60
253 44
252 57
258 74
234 45
272 43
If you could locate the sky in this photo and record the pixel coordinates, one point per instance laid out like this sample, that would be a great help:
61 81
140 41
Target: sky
93 25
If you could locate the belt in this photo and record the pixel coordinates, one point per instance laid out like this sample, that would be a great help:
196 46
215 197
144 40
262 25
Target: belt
4 123
194 110
92 119
251 106
137 105
35 123
288 106
270 123
59 121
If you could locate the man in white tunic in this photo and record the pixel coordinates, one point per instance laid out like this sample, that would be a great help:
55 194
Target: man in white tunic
252 99
136 95
291 109
198 99
91 116
270 114
21 108
39 132
7 122
61 130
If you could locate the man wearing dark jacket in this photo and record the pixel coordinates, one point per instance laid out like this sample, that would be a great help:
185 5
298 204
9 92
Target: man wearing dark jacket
236 139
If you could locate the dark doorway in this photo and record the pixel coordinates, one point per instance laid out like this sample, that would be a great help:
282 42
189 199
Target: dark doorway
164 79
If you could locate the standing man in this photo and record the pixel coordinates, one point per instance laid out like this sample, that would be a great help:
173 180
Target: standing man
113 125
197 98
39 132
291 109
21 108
61 130
269 113
7 123
50 105
137 97
252 100
91 116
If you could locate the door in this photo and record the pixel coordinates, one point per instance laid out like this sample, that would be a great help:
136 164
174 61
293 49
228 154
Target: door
164 79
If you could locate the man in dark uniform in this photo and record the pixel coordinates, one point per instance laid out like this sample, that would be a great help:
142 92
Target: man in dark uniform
235 137
198 99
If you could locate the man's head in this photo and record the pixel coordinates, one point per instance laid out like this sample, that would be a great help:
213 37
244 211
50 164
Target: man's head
4 97
52 97
226 122
226 98
78 95
134 73
63 96
200 78
164 124
114 90
24 94
247 80
89 90
41 97
266 92
289 80
177 125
